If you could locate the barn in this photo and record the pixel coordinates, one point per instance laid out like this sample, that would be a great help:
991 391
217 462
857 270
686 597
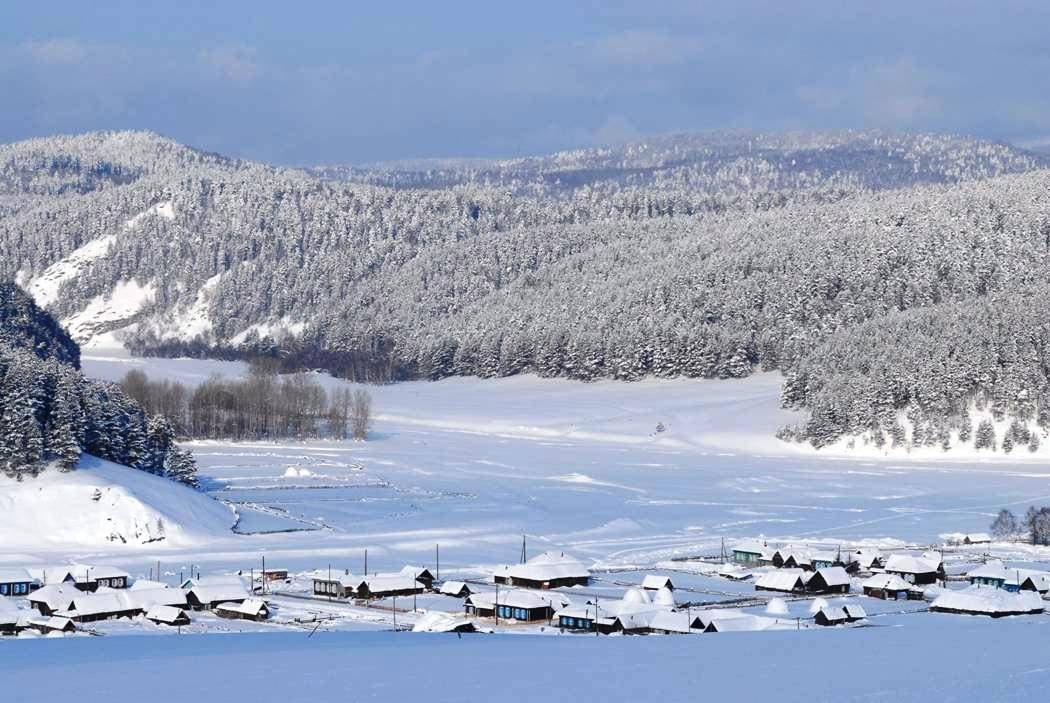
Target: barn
208 595
420 574
914 570
890 587
387 585
785 581
456 589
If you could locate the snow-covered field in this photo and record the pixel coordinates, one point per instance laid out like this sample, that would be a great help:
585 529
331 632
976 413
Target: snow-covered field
473 466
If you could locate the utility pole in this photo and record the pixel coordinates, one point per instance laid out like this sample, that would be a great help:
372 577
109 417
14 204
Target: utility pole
366 561
595 614
523 549
437 562
329 588
395 613
264 574
495 605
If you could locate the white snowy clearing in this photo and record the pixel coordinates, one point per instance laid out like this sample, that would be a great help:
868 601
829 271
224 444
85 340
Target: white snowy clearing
473 465
102 505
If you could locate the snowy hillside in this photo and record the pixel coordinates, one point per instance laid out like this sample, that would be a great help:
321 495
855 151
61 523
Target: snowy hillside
104 505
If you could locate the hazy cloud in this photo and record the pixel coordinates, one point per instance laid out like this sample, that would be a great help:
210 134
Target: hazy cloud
56 51
645 48
234 63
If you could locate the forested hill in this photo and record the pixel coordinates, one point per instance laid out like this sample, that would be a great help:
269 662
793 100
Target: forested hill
25 326
710 255
49 413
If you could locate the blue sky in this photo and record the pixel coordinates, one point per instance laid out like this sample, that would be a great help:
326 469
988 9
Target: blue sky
352 82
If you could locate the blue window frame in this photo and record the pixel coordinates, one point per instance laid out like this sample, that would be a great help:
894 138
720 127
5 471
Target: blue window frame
3 589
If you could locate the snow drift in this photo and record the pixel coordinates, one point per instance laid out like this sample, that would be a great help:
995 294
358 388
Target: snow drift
105 504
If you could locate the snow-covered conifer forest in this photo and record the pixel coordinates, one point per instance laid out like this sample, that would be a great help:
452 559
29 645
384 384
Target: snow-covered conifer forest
896 280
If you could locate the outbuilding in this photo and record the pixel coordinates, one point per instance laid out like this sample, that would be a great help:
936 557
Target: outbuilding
992 602
652 582
207 596
47 625
914 570
387 585
784 581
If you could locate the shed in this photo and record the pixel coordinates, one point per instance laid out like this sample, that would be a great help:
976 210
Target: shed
830 580
421 574
867 559
854 612
91 607
254 609
545 571
744 623
456 589
437 621
387 585
167 615
829 616
50 599
16 581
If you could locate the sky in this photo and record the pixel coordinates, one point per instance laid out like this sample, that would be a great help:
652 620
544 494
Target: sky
326 82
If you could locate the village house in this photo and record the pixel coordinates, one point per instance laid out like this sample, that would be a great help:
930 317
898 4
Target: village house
207 593
436 621
85 577
890 586
254 609
420 574
46 625
545 571
995 574
335 584
867 560
50 599
456 589
92 607
387 585
991 602
784 581
514 604
914 570
751 554
831 615
742 622
167 615
272 575
830 580
16 582
653 582
826 560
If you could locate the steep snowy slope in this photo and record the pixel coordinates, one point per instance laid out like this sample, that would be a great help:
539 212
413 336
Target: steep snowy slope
102 504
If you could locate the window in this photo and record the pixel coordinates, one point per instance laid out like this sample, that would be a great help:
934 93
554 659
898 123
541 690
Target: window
3 589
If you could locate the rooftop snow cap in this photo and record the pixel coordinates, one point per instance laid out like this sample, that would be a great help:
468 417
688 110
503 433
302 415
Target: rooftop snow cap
636 596
664 598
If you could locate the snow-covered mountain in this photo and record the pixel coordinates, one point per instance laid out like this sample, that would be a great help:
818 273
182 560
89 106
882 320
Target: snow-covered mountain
822 255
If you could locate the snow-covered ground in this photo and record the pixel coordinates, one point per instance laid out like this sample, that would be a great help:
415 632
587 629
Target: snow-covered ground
473 465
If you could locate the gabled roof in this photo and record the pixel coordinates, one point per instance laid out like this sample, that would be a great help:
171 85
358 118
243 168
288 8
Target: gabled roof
834 576
15 574
166 614
54 596
437 621
9 613
988 601
341 577
671 621
828 556
55 622
746 623
453 588
855 612
251 606
146 585
905 564
655 582
146 598
385 583
833 614
706 617
213 580
887 582
752 548
416 571
866 558
547 567
219 593
518 598
106 572
781 580
102 604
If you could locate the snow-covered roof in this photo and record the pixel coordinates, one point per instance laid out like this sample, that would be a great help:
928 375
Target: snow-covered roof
670 621
834 576
866 558
887 582
518 598
341 577
655 582
9 613
415 571
664 598
214 580
636 597
54 596
251 606
145 598
146 585
744 623
855 612
15 574
218 593
54 622
906 564
437 621
833 613
988 601
996 570
547 567
453 588
780 580
106 572
164 613
825 556
384 583
102 603
751 548
706 617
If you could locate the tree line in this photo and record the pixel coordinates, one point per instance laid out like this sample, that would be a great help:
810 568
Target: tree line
264 405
